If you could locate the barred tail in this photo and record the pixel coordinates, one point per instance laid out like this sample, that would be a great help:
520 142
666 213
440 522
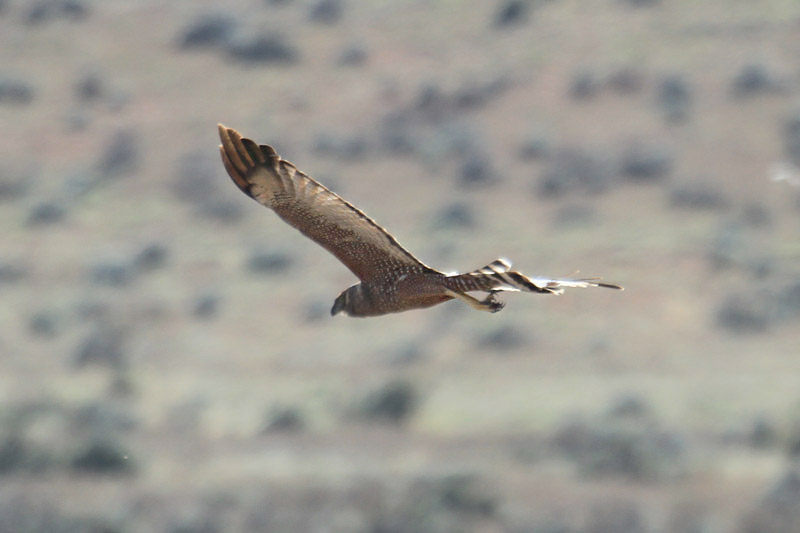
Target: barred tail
496 276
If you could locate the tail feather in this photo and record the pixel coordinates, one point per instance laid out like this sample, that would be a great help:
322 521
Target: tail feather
496 266
496 276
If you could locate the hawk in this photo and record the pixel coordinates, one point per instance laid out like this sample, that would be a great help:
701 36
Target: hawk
392 279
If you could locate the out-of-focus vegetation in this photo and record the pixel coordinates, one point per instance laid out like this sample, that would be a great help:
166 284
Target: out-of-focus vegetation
167 359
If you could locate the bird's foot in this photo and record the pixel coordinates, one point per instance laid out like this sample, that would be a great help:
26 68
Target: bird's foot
492 304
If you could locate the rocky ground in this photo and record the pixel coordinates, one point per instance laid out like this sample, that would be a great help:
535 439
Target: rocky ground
167 360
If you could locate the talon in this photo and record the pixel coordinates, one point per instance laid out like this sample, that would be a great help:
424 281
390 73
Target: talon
492 303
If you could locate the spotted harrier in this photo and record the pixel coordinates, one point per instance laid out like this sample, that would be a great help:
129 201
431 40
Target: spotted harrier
392 279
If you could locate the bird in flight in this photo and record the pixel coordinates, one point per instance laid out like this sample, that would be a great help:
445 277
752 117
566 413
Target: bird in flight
392 279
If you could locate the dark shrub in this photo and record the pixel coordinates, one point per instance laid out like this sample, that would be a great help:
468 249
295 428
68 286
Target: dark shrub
102 346
209 30
477 170
264 48
743 313
41 11
11 272
574 169
268 262
584 85
536 145
510 13
458 215
45 213
699 195
394 403
466 493
13 185
627 442
674 98
777 511
285 419
121 154
152 257
504 338
206 306
45 324
112 274
102 457
791 136
89 87
354 55
326 11
646 161
753 79
762 434
788 301
15 91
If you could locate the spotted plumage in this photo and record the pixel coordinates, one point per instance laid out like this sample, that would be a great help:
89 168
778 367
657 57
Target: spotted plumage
392 279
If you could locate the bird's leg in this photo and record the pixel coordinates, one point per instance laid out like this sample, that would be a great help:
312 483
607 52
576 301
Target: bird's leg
491 300
490 303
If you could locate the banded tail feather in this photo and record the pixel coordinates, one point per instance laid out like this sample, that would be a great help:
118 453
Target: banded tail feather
497 276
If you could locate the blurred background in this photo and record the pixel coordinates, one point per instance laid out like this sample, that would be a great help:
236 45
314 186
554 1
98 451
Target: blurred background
167 358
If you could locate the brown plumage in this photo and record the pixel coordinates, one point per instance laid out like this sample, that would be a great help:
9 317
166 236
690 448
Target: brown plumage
392 279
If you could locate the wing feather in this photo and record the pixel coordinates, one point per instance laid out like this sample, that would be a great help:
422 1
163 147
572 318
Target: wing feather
363 246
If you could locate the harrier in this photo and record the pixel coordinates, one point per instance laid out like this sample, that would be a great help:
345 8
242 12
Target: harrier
392 279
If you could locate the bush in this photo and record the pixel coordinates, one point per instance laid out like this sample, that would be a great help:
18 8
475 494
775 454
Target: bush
752 80
646 161
45 213
457 215
102 457
262 48
511 13
112 274
42 11
674 98
121 155
392 403
15 91
627 442
791 137
45 324
20 456
102 346
12 272
697 195
210 30
268 262
574 169
504 338
584 85
326 11
743 313
285 419
777 511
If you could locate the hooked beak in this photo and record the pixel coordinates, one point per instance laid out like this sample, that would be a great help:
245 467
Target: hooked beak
338 306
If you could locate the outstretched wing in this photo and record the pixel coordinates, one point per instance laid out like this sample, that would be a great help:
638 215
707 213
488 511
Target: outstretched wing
364 247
